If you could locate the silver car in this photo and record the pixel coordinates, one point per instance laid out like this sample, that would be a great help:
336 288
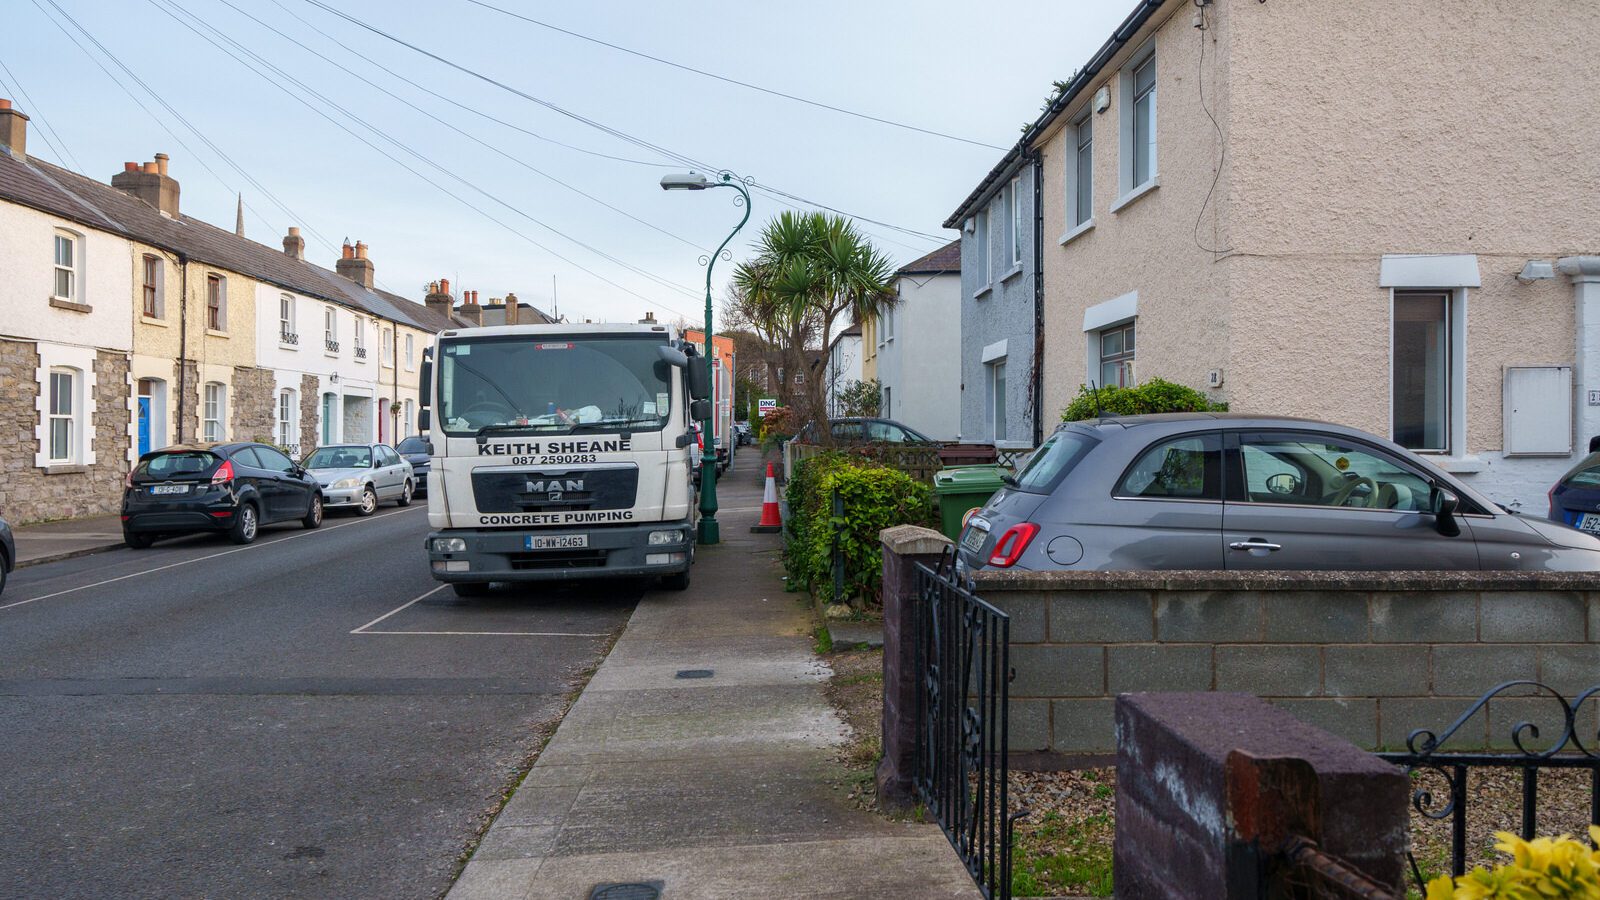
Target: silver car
360 476
1233 491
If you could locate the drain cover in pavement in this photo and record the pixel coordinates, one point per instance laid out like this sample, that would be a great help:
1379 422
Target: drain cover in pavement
638 890
694 673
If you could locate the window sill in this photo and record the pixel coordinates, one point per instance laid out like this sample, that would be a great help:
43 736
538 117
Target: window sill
331 354
69 306
152 320
983 292
285 345
65 469
1012 273
212 332
1136 193
1076 231
1456 465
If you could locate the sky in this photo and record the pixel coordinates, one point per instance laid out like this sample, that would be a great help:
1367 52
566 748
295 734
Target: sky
559 200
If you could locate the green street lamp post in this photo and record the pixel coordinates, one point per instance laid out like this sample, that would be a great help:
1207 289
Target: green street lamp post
709 533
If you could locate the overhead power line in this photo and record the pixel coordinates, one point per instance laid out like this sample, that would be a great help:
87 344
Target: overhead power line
406 148
744 84
46 130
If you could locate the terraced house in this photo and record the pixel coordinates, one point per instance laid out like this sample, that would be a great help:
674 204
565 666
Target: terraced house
126 325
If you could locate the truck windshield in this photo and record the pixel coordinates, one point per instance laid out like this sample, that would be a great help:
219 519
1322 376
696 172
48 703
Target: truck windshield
564 384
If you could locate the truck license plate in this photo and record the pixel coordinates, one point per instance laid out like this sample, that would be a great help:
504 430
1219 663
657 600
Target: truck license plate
1589 522
169 489
556 541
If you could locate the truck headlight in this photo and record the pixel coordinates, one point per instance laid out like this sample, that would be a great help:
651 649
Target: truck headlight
658 538
449 545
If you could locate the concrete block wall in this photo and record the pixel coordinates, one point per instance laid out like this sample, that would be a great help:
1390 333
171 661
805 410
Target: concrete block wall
1367 656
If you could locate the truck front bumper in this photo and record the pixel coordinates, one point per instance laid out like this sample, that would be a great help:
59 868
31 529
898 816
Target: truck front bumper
505 554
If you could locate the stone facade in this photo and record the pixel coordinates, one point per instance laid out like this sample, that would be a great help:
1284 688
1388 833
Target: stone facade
254 413
187 409
310 414
27 493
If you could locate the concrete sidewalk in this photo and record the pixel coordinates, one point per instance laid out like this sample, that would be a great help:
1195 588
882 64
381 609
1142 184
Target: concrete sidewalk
51 541
707 787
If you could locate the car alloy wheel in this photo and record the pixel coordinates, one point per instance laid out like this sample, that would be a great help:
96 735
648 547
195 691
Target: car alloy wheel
245 524
369 501
313 517
405 494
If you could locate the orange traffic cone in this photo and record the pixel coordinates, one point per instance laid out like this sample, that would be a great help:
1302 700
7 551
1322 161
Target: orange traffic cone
771 520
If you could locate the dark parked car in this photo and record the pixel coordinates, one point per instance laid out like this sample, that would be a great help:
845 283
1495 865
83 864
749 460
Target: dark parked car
1220 491
1575 499
226 488
863 430
8 553
414 450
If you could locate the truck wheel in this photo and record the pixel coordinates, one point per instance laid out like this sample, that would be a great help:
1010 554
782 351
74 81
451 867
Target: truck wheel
470 588
676 582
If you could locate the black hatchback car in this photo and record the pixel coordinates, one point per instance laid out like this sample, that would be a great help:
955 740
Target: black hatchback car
226 488
415 451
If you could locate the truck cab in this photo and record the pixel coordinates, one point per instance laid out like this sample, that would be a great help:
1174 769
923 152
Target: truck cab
561 452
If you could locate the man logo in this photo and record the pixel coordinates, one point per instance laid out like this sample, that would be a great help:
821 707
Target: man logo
555 487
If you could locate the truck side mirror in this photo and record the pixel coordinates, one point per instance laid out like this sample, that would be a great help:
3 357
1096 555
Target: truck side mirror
425 382
425 423
699 379
700 410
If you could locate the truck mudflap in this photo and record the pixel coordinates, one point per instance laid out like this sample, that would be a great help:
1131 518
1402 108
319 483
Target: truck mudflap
481 555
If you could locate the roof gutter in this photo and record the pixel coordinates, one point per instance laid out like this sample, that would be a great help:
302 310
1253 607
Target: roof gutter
1014 157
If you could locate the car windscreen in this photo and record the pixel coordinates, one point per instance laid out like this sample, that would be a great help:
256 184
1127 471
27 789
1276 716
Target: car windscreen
413 445
340 458
603 383
1586 474
1053 460
177 465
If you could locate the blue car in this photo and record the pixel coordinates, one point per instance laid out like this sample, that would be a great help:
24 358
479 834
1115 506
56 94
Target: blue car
1575 500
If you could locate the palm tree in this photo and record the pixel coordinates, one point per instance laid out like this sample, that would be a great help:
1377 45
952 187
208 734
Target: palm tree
810 270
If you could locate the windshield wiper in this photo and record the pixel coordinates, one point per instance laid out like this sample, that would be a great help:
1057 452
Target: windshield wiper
482 433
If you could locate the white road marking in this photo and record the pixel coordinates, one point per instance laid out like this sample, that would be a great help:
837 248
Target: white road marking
405 605
204 558
502 633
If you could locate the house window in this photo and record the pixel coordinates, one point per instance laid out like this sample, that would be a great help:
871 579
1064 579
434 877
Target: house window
286 414
216 303
215 408
997 398
981 238
69 260
361 338
1014 201
408 352
330 329
151 289
1422 370
410 417
1116 356
63 416
330 408
888 402
1080 174
886 324
388 347
1139 122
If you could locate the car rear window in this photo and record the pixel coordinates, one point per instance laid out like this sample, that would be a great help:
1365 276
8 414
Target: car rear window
1052 461
190 463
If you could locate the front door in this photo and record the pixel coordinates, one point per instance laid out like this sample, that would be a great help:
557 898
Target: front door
144 425
1310 500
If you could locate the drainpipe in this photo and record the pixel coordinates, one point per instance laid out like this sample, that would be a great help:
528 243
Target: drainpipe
1585 274
1038 297
183 338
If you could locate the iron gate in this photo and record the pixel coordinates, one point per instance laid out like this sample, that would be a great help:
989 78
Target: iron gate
963 664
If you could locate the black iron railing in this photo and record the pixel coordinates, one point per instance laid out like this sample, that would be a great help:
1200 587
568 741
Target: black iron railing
361 353
330 346
963 664
1430 767
288 337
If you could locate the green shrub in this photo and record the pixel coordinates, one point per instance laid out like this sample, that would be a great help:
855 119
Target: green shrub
1154 396
874 498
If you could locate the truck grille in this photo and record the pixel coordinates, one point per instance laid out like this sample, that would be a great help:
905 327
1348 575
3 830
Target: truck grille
555 490
558 559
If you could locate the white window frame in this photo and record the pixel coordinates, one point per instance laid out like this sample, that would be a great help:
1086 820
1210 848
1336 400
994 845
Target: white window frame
1128 129
1080 140
287 336
410 353
410 419
1014 214
329 410
72 268
288 413
214 412
980 235
388 347
71 418
359 338
994 374
1455 373
1128 326
330 330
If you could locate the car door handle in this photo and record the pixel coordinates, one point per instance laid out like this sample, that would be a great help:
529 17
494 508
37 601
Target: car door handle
1254 544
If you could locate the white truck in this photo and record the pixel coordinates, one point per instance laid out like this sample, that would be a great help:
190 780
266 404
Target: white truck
561 452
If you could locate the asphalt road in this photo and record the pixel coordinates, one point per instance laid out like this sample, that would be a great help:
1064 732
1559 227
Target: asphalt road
305 717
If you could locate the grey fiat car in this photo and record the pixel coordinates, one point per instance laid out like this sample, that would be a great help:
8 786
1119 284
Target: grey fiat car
1233 491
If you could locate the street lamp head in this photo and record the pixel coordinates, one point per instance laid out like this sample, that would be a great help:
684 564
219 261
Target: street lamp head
691 181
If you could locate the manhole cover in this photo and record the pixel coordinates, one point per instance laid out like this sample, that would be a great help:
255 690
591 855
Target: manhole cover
637 890
694 673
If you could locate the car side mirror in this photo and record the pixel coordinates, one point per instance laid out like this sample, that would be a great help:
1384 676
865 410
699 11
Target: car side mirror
1445 503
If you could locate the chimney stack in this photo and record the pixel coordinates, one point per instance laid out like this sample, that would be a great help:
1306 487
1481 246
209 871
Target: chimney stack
649 319
354 265
151 183
293 244
469 309
13 130
438 298
513 314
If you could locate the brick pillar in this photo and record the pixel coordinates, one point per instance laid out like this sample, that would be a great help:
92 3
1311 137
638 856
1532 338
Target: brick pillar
1211 788
903 547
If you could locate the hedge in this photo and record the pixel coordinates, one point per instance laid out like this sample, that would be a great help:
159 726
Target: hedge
1154 396
874 498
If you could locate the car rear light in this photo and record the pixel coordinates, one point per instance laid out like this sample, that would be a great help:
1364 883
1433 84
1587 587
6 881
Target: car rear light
224 473
128 480
1009 548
